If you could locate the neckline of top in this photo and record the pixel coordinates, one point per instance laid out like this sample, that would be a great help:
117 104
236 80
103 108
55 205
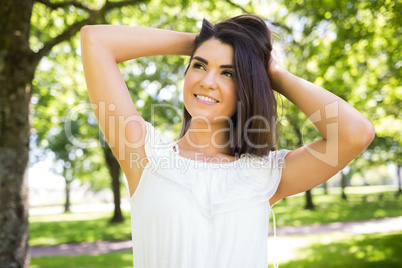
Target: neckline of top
177 154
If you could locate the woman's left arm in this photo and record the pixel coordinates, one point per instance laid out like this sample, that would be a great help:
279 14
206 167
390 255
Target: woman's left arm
345 133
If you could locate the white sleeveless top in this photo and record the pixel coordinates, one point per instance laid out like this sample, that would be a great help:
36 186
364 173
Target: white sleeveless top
193 214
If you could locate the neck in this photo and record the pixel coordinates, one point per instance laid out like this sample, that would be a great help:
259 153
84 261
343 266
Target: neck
207 138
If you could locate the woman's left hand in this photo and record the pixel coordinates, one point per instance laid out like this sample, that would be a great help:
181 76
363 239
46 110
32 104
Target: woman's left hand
275 71
274 62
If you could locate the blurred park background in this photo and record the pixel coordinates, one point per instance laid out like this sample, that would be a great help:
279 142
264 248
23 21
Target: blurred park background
69 181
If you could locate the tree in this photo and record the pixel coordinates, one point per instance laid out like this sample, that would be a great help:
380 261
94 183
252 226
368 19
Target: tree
65 158
344 176
18 63
15 62
398 176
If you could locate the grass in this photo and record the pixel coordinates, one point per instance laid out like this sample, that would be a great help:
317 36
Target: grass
331 208
358 251
80 227
90 227
121 260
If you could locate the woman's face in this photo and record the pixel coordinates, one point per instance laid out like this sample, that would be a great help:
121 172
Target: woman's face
209 90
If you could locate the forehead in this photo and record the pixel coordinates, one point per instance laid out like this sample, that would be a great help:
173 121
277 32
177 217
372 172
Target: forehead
215 51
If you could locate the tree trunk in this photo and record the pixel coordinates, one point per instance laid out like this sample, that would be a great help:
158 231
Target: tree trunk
309 197
114 169
17 66
325 185
343 186
68 190
309 200
398 176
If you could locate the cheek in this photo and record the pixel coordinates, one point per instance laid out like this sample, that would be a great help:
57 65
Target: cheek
187 93
189 82
232 98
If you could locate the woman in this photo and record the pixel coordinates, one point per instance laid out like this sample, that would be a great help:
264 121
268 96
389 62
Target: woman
205 200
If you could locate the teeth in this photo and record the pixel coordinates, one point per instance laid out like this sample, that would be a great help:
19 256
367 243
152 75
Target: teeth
206 98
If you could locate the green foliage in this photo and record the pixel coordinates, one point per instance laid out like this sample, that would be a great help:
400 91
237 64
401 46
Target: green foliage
350 48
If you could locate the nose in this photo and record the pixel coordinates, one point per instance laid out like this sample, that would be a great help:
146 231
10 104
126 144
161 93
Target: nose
208 81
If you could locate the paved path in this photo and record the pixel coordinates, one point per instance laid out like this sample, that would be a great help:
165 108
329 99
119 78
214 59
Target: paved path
74 249
357 227
353 227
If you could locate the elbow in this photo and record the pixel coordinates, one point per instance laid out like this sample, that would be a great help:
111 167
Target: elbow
368 134
91 35
90 39
86 32
362 135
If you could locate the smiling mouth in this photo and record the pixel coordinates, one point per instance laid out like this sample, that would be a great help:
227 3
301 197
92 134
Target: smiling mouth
204 98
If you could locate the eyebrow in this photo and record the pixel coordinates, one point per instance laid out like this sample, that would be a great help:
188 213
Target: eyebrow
225 66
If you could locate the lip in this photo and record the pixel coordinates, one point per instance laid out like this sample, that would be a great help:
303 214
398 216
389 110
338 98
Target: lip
205 102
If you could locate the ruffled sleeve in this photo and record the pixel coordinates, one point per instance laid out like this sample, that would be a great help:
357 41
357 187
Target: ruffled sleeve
156 143
275 162
253 181
160 153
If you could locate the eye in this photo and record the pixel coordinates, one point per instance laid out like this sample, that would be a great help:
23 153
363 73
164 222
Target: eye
198 66
228 73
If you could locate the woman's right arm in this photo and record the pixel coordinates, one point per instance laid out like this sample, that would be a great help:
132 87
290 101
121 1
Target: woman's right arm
103 46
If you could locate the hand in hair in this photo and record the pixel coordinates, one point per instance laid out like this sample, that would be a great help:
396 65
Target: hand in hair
274 66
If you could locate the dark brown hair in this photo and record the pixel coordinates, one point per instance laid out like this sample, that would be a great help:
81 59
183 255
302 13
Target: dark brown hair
251 41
